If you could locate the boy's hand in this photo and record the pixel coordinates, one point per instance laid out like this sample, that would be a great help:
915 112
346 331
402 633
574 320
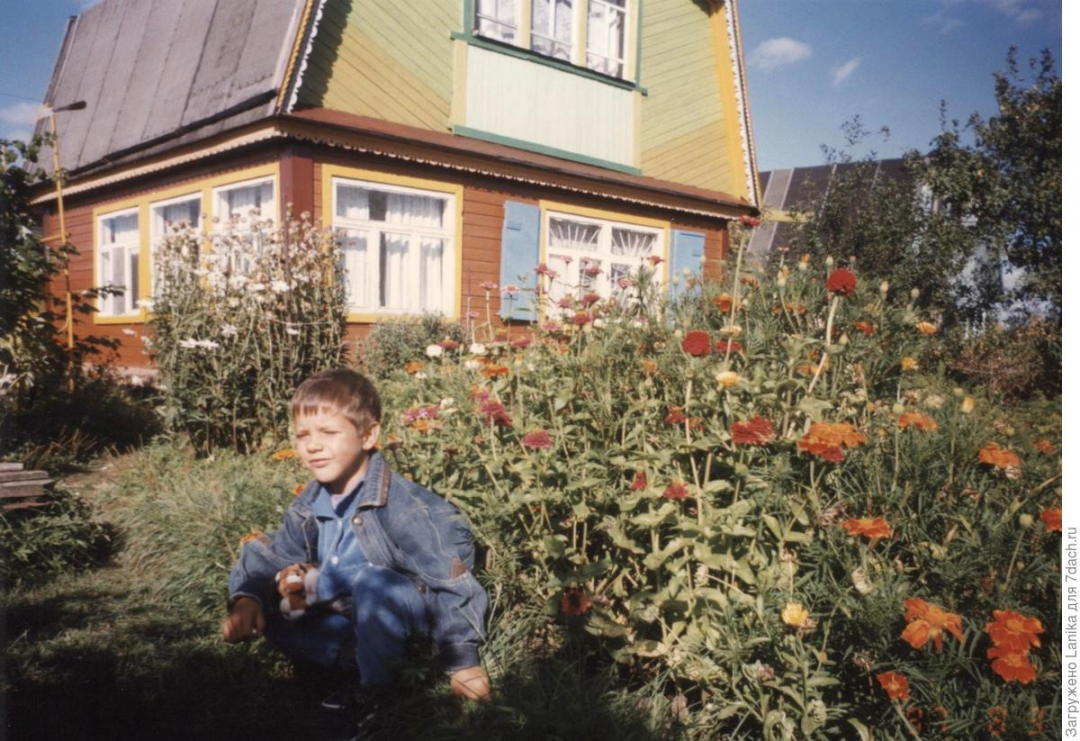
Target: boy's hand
471 683
244 622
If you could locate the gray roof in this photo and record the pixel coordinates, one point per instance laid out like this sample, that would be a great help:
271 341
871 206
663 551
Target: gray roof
153 71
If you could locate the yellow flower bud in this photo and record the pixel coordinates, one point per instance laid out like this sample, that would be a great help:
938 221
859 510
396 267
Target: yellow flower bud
968 405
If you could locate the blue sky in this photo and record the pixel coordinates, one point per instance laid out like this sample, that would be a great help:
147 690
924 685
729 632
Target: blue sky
811 65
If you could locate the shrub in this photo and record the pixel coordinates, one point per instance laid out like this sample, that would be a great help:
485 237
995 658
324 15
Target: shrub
764 495
238 322
394 342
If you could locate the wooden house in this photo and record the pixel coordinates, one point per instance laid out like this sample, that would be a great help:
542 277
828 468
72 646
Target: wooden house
451 143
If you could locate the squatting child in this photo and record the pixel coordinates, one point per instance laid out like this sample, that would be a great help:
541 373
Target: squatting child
393 559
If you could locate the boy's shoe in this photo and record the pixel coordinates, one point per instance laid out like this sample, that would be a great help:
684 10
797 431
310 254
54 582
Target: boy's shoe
338 700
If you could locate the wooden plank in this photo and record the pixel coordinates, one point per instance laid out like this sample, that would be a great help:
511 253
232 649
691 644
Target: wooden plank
11 466
28 504
7 476
23 490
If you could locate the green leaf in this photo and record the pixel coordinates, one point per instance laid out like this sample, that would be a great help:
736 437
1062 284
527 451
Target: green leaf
814 408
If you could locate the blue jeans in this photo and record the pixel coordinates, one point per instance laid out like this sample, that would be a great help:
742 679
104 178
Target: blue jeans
386 609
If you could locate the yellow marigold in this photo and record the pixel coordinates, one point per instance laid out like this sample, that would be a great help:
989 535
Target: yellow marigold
967 406
926 327
284 455
909 364
993 454
926 621
649 367
796 616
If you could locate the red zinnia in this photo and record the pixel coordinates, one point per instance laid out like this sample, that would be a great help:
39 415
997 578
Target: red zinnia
675 416
723 345
574 601
697 343
639 481
757 431
676 490
723 302
537 439
841 282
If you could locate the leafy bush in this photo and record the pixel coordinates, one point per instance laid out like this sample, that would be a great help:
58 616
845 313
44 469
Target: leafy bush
762 495
393 343
239 322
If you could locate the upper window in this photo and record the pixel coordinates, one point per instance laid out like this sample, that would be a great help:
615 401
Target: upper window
588 33
118 261
399 247
598 255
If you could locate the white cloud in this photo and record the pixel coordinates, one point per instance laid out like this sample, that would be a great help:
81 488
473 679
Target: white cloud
1021 12
779 52
20 114
845 70
942 22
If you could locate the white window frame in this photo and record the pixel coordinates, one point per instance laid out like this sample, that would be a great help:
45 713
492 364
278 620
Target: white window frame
604 61
107 253
158 230
363 291
573 280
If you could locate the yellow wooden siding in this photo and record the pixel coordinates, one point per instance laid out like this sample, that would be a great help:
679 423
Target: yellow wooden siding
684 136
387 60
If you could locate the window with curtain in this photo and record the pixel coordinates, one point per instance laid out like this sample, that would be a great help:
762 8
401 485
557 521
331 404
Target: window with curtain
553 28
118 262
398 246
168 215
593 255
243 199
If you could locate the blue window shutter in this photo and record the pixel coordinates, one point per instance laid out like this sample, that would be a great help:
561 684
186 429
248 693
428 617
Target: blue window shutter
687 249
520 254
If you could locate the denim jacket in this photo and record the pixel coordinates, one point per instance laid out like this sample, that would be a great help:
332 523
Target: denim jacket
399 525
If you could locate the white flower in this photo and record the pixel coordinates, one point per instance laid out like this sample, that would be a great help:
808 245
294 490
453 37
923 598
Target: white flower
433 351
472 364
189 344
208 344
257 287
293 331
279 286
420 376
129 332
229 330
239 281
477 349
136 380
145 303
598 323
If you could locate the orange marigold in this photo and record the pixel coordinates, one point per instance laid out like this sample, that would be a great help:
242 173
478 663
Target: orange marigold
1044 446
414 367
827 439
1052 519
1014 630
908 363
926 621
494 371
284 455
869 527
926 327
723 302
298 489
895 685
865 327
1011 665
918 420
993 454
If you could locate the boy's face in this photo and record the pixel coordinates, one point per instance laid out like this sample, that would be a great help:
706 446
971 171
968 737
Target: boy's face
333 449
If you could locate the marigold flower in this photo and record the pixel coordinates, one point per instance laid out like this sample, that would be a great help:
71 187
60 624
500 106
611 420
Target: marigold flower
909 364
574 602
723 302
841 282
993 454
284 455
757 431
1044 446
648 367
697 343
796 616
639 482
727 379
537 439
675 416
967 406
998 718
869 527
492 370
749 280
917 420
926 621
414 367
1014 630
296 490
895 685
1011 665
926 328
393 442
826 440
676 490
1052 519
865 327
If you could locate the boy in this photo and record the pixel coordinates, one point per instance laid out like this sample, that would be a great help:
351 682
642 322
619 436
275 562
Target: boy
393 558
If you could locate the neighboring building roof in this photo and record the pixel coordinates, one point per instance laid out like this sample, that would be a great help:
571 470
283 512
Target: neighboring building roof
787 193
153 71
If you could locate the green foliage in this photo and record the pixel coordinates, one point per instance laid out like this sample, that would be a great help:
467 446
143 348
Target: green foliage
395 342
62 536
241 316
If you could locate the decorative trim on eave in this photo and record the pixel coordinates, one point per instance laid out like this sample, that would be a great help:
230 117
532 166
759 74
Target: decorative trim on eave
309 28
737 64
253 137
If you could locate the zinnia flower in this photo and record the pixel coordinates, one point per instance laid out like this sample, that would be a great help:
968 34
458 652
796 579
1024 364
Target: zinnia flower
449 344
723 302
869 527
895 685
284 455
1044 446
1013 630
1011 665
757 431
926 327
433 351
697 343
536 439
1052 519
639 482
491 370
675 416
414 367
865 327
993 454
589 299
926 621
841 282
998 718
827 439
796 616
917 420
574 602
676 490
723 345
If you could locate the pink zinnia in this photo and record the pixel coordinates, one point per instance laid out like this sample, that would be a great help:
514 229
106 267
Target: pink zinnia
639 481
676 490
536 439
